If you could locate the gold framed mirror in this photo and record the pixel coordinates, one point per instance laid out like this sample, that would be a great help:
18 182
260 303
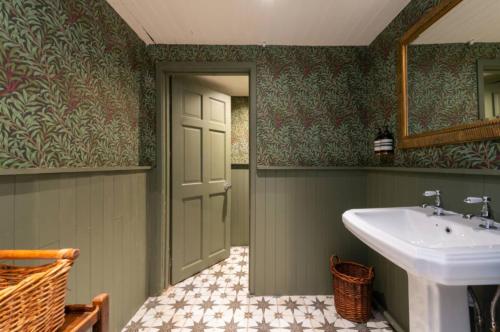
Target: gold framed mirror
426 90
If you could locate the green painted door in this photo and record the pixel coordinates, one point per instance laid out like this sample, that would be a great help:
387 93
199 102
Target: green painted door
201 177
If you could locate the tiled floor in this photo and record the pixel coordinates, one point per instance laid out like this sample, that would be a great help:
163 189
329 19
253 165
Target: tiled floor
217 300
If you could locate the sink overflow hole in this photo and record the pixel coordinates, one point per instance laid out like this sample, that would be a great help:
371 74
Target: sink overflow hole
448 230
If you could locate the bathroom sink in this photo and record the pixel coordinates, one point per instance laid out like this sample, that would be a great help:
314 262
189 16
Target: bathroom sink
441 254
447 249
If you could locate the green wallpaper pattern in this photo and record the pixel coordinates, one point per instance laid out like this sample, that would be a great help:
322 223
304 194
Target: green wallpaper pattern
442 84
240 130
77 88
71 81
307 113
380 104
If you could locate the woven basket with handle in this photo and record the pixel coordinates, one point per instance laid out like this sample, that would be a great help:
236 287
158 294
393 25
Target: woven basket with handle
352 289
32 297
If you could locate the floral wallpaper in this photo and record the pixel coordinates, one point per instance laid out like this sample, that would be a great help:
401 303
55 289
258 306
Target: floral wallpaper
239 130
442 84
71 81
307 114
77 88
380 104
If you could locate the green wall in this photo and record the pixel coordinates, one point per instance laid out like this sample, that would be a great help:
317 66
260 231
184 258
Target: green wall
72 77
307 113
77 89
71 87
380 103
240 176
240 131
240 207
299 225
102 214
395 188
398 189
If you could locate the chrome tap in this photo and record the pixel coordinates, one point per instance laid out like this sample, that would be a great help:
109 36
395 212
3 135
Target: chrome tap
485 214
438 208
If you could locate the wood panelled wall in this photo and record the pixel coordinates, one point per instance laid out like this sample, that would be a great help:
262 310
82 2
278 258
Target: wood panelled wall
103 214
240 210
299 225
395 188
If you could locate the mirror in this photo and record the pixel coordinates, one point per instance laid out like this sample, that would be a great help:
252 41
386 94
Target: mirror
450 75
488 74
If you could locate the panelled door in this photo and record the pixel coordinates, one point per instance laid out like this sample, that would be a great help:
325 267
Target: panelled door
201 177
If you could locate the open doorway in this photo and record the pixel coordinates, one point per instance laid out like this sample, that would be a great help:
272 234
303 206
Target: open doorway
160 177
209 126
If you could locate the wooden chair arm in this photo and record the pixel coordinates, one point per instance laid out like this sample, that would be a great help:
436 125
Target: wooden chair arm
82 317
102 302
69 253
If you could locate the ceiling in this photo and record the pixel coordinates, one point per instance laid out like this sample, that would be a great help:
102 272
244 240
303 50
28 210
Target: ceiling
232 85
470 20
257 22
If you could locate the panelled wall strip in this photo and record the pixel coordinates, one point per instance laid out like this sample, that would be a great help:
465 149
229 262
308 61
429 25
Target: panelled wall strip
60 170
466 171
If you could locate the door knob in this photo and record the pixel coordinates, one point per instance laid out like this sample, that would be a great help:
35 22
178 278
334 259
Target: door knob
227 186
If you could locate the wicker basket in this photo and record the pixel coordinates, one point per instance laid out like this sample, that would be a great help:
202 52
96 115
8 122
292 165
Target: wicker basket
352 289
32 297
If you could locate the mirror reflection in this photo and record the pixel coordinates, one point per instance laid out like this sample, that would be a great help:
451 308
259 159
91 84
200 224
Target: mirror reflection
454 68
489 88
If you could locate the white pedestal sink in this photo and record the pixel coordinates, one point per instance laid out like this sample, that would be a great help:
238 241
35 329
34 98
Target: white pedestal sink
441 254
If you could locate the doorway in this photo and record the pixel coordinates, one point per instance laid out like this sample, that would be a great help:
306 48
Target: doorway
202 149
201 207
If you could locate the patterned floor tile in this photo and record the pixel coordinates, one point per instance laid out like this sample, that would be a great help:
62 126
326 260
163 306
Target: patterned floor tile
217 300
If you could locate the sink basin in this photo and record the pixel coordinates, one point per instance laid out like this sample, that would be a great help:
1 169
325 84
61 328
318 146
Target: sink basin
441 254
446 249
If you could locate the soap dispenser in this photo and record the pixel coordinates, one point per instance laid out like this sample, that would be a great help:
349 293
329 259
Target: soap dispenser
386 143
385 155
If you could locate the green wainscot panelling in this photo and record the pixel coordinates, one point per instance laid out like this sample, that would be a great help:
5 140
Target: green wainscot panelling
240 210
102 214
299 225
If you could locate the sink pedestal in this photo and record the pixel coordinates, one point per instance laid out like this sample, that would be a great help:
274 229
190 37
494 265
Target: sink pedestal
435 307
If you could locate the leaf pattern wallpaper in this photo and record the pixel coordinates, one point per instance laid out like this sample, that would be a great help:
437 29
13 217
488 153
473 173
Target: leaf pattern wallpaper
77 89
443 84
380 103
71 81
307 113
240 130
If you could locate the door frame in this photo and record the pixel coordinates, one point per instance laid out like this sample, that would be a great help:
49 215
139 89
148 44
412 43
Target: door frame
159 179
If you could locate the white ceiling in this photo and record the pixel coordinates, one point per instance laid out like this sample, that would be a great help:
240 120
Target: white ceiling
232 85
471 20
250 22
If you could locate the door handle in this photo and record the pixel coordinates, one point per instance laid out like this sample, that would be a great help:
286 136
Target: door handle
227 186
